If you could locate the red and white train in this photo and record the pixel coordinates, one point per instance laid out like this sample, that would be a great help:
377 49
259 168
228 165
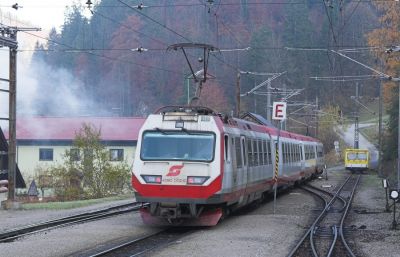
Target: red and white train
192 165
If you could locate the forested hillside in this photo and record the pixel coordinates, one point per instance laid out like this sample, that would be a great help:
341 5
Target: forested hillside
257 36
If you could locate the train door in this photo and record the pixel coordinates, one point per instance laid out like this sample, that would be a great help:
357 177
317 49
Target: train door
229 169
245 166
238 163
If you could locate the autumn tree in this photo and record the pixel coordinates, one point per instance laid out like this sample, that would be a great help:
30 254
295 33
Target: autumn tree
87 171
328 124
388 34
214 97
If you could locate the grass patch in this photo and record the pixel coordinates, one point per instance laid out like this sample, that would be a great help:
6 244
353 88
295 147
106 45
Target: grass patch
72 204
371 133
371 180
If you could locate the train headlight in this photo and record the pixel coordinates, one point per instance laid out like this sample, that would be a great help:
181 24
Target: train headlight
196 180
394 194
152 179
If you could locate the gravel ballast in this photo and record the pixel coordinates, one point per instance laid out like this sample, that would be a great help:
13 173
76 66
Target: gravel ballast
254 232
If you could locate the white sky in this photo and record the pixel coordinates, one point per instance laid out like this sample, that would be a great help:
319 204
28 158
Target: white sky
39 13
44 14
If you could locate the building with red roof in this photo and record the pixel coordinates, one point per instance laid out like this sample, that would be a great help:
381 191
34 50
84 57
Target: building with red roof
42 141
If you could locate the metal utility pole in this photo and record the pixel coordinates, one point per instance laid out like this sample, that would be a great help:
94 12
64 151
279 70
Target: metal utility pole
380 129
356 131
269 112
316 117
12 144
8 38
398 140
238 94
268 83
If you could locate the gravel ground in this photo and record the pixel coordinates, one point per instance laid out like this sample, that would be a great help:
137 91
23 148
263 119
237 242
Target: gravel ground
254 232
17 218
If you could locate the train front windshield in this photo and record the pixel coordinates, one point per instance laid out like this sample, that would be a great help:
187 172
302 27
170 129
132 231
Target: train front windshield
357 156
177 145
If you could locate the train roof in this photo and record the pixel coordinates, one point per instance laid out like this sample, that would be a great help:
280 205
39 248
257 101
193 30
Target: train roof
256 118
249 121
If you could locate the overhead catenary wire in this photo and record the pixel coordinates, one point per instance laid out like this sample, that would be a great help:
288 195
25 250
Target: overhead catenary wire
103 56
155 21
30 5
130 28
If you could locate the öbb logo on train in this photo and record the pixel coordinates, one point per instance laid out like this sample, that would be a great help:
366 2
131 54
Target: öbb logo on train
175 170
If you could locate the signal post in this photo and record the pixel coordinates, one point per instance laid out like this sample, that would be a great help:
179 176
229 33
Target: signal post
278 113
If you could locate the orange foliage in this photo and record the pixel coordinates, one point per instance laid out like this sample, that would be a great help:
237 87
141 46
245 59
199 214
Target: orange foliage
214 97
387 35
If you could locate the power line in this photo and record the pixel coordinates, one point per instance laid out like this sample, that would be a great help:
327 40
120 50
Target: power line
130 28
200 4
103 56
155 21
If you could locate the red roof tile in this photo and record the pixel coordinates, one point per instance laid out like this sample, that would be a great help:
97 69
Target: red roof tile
64 128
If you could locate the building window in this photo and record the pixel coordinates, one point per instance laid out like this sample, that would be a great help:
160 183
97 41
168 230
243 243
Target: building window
45 154
116 154
75 154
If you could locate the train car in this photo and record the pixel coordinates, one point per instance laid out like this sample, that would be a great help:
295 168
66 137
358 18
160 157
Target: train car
356 159
193 166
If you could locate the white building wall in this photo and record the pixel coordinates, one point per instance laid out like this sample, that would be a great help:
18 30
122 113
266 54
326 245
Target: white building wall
28 158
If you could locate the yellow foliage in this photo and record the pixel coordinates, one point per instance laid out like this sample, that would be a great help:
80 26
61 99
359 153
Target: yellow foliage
385 36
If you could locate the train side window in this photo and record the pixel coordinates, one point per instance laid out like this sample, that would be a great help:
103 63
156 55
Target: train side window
258 152
293 153
269 152
283 152
238 153
255 152
306 152
244 152
250 152
298 153
260 162
301 152
226 142
263 150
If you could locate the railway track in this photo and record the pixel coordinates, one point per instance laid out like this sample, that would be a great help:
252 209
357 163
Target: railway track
11 235
145 244
327 234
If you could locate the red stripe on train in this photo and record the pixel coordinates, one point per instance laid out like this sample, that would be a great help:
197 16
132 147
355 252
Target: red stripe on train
177 191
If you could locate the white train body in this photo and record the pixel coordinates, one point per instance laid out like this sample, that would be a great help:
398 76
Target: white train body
192 165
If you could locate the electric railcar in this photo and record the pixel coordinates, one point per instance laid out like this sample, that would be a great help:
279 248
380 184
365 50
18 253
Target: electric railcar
192 165
356 159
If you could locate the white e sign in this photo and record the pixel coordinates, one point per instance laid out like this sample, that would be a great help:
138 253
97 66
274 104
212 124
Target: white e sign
279 111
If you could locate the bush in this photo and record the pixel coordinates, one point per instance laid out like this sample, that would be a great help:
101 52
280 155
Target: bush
86 171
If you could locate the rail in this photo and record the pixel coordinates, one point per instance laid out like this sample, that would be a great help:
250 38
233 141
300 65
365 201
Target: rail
14 234
329 216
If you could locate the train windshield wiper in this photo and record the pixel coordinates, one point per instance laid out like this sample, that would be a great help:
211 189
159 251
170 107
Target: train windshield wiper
161 131
186 131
